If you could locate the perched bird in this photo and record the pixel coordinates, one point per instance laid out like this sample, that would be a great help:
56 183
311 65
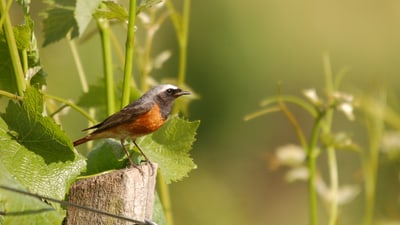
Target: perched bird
141 117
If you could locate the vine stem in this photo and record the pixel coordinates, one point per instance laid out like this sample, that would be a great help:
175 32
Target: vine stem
104 28
312 162
79 67
72 105
129 53
13 50
331 151
181 25
334 183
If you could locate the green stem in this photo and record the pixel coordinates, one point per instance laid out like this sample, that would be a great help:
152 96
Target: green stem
79 67
10 95
181 25
183 40
13 50
375 128
25 64
312 161
163 192
326 129
334 183
72 105
146 58
117 47
292 119
6 10
108 65
129 53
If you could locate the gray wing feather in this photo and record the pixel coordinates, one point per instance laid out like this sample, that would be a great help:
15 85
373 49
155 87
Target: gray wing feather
127 114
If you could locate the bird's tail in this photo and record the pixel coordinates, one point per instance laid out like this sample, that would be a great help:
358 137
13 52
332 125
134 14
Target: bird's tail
82 140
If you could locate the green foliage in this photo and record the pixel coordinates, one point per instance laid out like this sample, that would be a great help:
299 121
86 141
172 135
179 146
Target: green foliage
37 153
26 43
7 78
323 139
105 155
64 16
24 118
23 209
169 147
112 11
22 35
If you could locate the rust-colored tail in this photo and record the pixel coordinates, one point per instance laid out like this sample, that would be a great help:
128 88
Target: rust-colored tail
82 140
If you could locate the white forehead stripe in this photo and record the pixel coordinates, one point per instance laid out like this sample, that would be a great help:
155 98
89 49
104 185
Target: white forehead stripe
160 88
165 87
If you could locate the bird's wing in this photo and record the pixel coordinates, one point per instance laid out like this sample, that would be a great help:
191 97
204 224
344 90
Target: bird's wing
127 114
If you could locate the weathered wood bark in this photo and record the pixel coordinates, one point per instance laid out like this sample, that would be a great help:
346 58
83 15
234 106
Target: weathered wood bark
128 193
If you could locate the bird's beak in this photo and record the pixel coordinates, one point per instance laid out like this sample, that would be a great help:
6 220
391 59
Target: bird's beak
180 92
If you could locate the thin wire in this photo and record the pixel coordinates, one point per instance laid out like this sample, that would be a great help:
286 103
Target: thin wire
66 203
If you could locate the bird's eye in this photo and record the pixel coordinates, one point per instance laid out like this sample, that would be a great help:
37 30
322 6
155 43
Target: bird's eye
170 91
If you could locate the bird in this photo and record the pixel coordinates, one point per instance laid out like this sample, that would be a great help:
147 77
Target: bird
141 117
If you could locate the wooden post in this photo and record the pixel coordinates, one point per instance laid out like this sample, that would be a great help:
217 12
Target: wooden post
127 193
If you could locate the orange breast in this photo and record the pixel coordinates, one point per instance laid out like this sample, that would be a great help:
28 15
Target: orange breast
145 124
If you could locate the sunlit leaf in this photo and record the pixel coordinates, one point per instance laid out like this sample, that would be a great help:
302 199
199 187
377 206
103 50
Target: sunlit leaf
35 150
21 209
112 11
106 155
66 16
170 146
58 22
83 13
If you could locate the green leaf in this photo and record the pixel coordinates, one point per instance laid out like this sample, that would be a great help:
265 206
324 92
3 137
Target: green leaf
112 11
106 155
64 16
23 34
146 4
93 98
58 22
170 146
7 77
83 13
35 150
38 133
23 209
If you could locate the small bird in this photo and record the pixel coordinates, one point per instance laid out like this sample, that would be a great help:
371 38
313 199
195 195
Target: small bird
141 117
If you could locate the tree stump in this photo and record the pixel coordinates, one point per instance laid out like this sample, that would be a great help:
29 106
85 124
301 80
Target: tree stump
127 193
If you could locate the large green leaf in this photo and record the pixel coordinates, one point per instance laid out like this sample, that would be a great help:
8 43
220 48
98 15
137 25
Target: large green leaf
35 150
106 155
22 209
169 147
64 16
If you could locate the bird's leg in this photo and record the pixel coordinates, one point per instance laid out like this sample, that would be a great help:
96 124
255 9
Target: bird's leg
127 153
145 157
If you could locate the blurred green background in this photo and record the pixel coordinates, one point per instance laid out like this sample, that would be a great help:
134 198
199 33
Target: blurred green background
238 51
